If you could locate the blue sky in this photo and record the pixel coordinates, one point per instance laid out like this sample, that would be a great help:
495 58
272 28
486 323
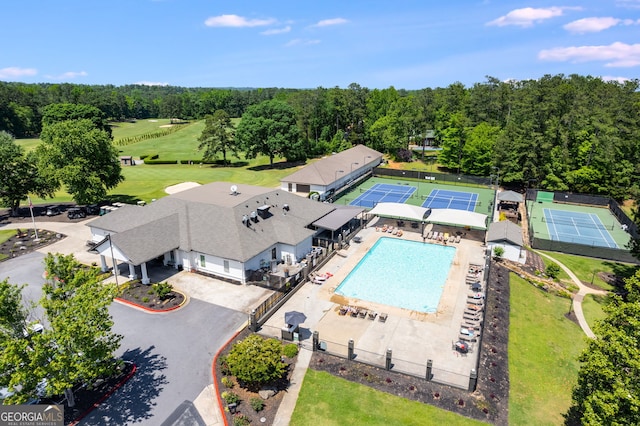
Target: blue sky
404 43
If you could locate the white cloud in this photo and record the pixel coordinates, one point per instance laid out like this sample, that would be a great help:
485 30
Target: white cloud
591 25
330 22
618 79
236 21
275 31
13 72
631 4
151 83
69 75
301 42
615 55
527 16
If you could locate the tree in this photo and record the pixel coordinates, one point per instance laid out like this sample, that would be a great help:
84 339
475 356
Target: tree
217 136
608 388
57 113
78 345
268 128
256 361
19 175
81 343
80 156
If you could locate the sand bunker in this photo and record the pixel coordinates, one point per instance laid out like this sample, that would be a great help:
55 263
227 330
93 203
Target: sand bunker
180 187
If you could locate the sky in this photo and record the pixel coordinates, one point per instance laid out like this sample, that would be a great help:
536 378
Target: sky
407 44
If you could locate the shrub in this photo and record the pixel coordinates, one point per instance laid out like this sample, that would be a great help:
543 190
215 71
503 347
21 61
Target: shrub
256 361
230 397
498 252
257 404
290 350
162 289
241 420
224 366
553 270
227 382
145 299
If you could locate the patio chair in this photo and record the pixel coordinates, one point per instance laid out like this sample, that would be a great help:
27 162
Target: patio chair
362 313
434 236
354 312
451 238
382 317
458 239
372 315
343 310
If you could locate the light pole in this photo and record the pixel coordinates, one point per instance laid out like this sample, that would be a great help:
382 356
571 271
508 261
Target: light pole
335 180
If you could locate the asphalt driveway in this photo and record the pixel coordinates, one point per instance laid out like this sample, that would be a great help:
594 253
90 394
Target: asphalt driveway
173 352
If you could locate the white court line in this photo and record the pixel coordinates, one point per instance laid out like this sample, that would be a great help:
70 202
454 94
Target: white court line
606 240
548 214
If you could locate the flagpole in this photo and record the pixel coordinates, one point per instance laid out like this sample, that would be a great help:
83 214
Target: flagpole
33 219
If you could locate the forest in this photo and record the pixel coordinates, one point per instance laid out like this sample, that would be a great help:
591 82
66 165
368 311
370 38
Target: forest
571 133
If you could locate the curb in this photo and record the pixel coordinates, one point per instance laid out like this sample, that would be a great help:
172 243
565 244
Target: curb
151 310
213 374
104 397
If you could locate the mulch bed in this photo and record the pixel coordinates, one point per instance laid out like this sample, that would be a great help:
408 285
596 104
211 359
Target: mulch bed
271 404
25 242
87 399
144 296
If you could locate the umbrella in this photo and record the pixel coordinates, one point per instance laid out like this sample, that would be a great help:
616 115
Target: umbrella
294 318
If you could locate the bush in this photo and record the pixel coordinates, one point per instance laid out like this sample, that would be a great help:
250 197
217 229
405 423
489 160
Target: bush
498 252
145 299
162 289
256 361
553 270
230 397
227 382
241 420
404 155
224 366
257 404
290 350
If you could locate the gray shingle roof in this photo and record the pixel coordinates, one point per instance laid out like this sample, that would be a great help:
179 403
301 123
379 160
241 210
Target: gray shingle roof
209 219
323 172
510 196
505 230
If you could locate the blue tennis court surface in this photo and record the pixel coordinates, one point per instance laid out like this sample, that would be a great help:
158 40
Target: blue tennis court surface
383 193
445 199
579 228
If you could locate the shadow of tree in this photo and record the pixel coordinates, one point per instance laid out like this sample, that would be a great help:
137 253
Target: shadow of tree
282 165
134 401
621 271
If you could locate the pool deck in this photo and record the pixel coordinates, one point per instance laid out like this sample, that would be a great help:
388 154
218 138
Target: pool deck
413 337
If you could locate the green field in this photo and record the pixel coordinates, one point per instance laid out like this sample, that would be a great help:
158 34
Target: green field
327 400
543 351
592 308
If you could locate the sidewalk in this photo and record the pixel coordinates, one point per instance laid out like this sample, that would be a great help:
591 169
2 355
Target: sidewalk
288 404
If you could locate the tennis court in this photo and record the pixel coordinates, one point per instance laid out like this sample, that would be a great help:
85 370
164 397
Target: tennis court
446 199
576 227
383 193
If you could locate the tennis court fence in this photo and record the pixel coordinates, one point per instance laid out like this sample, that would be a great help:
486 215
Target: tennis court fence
436 177
583 249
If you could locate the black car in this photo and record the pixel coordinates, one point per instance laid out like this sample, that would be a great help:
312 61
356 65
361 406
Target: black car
76 213
92 209
53 211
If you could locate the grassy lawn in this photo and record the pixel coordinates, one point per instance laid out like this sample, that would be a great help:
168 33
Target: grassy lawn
584 267
592 308
543 348
127 129
328 400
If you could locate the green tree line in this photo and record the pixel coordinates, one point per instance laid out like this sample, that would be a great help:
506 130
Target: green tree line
574 133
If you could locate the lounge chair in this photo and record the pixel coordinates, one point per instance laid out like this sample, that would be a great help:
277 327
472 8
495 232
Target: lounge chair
446 236
362 313
429 235
372 315
355 312
473 315
382 317
451 238
343 310
435 235
471 325
467 338
474 307
476 295
357 239
458 239
473 301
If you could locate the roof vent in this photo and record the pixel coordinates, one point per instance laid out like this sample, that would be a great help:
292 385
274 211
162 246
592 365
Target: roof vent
245 220
254 216
234 189
285 207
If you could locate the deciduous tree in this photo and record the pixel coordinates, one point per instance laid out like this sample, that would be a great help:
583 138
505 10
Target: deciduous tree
217 136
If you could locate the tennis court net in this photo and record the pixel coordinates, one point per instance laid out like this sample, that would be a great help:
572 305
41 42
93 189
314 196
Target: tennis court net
385 193
577 223
451 200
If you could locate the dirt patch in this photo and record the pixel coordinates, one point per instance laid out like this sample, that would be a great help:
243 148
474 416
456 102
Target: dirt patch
167 125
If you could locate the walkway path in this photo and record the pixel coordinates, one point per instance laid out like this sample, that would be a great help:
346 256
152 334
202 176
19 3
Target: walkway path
578 297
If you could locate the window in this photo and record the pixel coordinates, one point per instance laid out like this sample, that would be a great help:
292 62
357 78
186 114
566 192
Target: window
203 263
226 266
273 253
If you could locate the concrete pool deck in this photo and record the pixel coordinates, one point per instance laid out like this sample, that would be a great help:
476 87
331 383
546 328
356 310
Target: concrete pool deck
414 337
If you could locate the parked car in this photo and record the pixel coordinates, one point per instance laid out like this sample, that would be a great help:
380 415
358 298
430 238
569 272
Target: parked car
76 213
53 211
91 209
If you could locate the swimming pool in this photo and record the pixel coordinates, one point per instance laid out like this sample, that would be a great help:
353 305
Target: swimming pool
406 274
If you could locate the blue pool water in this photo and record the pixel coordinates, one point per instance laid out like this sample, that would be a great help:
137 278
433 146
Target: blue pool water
406 274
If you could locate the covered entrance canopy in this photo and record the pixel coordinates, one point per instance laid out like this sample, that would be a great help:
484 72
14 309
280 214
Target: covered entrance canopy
458 218
400 210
